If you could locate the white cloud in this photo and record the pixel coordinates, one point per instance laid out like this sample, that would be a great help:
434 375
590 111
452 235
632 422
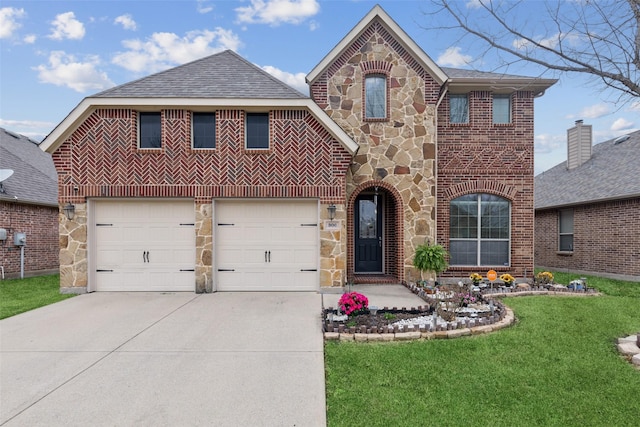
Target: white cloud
29 39
621 124
296 81
66 26
25 123
453 58
203 7
551 42
164 50
547 143
474 4
591 112
9 17
126 21
275 12
64 70
635 106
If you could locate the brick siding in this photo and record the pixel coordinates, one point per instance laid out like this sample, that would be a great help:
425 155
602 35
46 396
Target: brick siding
40 223
606 238
480 157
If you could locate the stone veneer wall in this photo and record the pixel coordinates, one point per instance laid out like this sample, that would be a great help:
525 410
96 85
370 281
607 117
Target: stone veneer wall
204 247
73 250
398 151
333 249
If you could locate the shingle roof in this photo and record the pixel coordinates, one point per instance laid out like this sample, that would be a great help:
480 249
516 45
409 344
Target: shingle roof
613 172
223 75
481 75
34 178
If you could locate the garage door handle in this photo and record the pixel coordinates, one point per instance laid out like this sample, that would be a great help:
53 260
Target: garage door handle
187 269
269 256
308 225
308 269
265 256
226 269
104 271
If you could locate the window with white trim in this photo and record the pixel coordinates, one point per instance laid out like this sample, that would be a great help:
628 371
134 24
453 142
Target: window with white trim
257 131
458 108
479 230
203 130
565 227
375 96
501 109
149 130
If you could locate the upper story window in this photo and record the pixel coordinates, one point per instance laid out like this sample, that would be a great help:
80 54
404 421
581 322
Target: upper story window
375 96
565 239
257 131
501 109
479 230
149 130
203 129
458 108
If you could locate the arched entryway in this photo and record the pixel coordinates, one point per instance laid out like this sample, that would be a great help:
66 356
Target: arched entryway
375 234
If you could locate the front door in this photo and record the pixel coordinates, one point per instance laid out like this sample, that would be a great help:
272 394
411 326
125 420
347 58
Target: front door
368 233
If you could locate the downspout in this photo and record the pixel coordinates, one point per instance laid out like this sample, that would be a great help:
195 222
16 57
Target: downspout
443 91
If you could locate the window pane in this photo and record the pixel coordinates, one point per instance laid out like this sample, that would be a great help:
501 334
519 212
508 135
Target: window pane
566 242
463 252
495 217
494 252
150 135
566 221
375 97
501 109
459 109
368 220
204 130
258 130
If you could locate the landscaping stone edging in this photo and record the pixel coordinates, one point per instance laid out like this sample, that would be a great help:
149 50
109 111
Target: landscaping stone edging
422 334
629 347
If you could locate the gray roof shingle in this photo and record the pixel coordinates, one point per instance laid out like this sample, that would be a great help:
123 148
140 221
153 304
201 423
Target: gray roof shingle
34 178
222 75
480 75
613 172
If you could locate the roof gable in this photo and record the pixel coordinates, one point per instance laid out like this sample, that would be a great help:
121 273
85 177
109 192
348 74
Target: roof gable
377 14
611 173
34 179
223 75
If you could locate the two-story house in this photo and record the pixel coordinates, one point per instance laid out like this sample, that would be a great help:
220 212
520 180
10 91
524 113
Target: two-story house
215 176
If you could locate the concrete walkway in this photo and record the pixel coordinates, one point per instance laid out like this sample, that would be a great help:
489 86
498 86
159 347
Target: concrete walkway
379 295
224 359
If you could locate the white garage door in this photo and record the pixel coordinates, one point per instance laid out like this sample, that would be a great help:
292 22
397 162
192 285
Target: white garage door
266 246
144 246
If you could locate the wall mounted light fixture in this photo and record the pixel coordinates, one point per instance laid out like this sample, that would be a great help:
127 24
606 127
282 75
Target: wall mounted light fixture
69 211
332 211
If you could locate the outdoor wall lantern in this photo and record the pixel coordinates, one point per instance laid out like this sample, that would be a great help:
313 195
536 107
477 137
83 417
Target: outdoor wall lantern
69 211
332 211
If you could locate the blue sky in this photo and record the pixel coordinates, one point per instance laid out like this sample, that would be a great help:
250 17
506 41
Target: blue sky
55 53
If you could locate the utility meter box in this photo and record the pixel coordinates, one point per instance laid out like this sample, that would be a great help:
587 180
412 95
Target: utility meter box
19 239
3 235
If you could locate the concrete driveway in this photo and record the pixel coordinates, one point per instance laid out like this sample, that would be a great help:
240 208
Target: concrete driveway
225 359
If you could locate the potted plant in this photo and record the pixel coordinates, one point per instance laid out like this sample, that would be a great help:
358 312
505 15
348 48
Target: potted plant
507 279
430 258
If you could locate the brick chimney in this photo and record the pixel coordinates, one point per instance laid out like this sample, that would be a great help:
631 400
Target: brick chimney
578 144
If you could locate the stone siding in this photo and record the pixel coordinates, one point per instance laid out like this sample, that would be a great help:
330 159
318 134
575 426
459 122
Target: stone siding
397 154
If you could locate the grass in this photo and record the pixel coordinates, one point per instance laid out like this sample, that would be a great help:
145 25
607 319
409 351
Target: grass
20 295
557 366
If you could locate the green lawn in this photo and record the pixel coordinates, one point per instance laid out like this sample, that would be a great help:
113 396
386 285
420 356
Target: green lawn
20 295
557 366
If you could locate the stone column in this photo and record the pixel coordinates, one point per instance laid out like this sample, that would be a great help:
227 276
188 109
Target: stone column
73 250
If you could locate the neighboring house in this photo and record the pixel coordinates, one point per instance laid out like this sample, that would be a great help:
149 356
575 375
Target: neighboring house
216 176
587 209
29 205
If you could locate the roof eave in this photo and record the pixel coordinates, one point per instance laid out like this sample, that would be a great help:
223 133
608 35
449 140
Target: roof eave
89 105
587 202
395 29
506 85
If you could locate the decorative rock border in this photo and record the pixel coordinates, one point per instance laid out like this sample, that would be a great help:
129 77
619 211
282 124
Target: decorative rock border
629 347
454 329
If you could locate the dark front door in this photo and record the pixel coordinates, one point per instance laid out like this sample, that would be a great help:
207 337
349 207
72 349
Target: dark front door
368 234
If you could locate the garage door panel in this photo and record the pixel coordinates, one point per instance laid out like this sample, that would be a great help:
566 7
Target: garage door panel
267 246
145 244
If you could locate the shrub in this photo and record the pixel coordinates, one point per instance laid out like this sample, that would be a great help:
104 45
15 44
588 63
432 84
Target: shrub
353 303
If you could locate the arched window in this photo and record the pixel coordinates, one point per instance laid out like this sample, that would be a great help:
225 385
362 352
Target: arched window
375 96
479 230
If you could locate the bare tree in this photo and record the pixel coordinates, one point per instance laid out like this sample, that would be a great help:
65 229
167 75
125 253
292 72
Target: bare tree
597 38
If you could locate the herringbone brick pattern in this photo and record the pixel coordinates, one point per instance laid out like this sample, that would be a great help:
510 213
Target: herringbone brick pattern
102 158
